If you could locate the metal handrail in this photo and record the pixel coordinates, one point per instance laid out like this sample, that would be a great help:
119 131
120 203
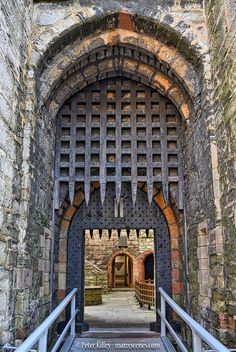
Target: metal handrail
40 335
198 332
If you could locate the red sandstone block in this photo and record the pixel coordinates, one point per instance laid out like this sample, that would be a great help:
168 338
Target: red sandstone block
61 294
174 232
125 21
175 274
159 199
174 243
162 81
185 111
169 215
79 198
65 224
70 213
176 95
175 255
166 54
231 324
180 67
21 334
222 321
177 288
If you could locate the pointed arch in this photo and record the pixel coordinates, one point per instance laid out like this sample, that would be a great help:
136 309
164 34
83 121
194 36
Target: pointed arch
174 231
166 70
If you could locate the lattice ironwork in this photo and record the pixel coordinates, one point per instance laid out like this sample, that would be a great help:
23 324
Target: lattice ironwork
118 130
138 216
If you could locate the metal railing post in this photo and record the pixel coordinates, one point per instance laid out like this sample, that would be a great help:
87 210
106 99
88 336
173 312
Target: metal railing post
43 340
40 335
163 312
72 314
197 342
199 334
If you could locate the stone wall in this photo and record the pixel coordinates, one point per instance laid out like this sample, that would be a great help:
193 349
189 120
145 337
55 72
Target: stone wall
221 17
94 276
15 19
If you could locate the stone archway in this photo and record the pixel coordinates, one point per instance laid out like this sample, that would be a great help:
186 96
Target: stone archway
177 284
95 216
127 30
178 81
111 261
180 84
142 259
183 90
149 267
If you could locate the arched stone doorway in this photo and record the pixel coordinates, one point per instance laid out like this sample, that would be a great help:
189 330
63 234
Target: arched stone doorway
142 260
122 271
149 267
133 270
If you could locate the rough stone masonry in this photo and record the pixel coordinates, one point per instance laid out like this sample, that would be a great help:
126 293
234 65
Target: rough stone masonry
40 44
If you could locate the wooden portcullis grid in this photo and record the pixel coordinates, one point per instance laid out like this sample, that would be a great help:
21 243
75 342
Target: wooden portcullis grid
118 130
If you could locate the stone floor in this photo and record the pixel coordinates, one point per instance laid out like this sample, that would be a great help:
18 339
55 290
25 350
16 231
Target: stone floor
119 309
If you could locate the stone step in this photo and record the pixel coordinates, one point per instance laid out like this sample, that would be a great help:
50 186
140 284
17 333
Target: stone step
114 333
122 289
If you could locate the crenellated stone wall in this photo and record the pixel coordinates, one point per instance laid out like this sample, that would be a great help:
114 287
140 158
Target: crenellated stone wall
99 250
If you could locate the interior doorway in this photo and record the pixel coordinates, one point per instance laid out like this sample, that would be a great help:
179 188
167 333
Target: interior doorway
122 271
149 268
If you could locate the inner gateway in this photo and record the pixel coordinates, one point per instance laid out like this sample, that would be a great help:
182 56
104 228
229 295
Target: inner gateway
136 219
123 138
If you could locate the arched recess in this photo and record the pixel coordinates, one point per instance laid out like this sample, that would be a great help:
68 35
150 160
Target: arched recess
137 217
67 213
110 265
149 267
142 259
